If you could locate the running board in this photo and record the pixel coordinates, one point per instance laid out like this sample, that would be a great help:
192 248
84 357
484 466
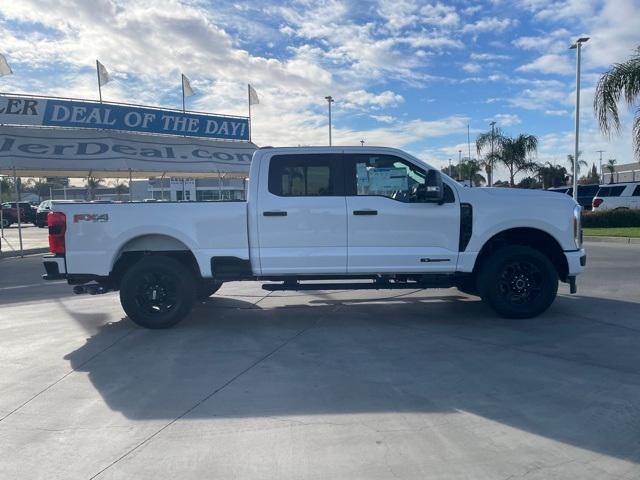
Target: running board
296 286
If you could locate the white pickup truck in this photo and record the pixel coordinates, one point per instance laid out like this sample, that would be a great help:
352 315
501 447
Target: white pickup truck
315 217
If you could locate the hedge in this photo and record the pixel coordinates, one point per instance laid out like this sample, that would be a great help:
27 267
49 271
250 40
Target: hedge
611 218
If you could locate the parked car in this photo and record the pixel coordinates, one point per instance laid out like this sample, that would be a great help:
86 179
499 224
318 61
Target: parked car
617 195
44 208
585 193
27 212
8 216
365 217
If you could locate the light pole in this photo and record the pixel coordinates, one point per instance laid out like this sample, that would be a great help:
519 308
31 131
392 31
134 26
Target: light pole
329 100
601 172
577 46
490 172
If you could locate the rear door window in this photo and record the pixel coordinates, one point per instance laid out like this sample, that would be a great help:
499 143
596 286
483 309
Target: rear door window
636 191
613 191
312 175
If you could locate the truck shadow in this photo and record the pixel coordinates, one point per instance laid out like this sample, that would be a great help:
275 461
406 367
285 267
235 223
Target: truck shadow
572 375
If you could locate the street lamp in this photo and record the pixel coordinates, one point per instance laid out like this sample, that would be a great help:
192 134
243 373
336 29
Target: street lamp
577 46
329 100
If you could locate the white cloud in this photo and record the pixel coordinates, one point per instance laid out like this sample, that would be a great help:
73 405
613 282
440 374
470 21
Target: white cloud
471 67
556 113
550 63
364 98
505 119
488 56
490 24
384 118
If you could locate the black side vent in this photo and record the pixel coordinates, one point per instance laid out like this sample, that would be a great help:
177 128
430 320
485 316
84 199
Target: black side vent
466 225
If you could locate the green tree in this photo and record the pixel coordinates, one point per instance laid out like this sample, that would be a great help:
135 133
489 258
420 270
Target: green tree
92 184
7 189
120 188
611 168
580 163
470 170
529 182
621 81
552 175
487 143
515 154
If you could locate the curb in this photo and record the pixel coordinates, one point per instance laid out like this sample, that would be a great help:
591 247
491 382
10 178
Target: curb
25 252
603 239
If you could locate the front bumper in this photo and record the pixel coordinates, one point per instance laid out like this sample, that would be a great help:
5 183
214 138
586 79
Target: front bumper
576 260
54 267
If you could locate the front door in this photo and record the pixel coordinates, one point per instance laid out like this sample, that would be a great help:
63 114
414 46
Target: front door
389 230
302 224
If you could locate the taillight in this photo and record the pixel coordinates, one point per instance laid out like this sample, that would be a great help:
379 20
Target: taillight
57 228
596 202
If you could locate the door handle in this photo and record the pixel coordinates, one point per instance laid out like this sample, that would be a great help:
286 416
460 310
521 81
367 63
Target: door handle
365 212
275 214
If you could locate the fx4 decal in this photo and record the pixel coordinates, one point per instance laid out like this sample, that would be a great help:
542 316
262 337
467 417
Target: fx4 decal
90 217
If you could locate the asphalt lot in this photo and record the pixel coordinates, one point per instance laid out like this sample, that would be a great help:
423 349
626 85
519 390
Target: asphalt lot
370 385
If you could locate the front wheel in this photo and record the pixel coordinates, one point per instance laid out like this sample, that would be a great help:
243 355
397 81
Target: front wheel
157 292
518 282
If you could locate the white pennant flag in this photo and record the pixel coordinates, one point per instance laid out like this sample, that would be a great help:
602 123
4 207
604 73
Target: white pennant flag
5 69
103 75
253 96
186 86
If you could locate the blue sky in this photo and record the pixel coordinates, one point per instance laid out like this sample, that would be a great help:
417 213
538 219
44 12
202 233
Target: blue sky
405 74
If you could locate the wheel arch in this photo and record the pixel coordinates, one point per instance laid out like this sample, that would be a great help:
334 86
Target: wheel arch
144 245
542 241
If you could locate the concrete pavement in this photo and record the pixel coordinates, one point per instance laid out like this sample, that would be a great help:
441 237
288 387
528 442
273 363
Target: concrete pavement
404 384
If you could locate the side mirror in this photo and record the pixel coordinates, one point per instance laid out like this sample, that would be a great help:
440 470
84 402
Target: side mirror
433 190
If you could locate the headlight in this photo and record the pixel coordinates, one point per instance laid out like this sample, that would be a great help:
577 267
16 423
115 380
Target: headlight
577 226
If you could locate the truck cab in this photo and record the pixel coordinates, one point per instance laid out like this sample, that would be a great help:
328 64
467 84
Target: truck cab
375 216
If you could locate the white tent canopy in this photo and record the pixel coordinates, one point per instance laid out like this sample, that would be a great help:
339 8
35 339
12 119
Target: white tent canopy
50 152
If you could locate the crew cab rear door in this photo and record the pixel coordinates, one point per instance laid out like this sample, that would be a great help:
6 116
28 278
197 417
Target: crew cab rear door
389 230
302 226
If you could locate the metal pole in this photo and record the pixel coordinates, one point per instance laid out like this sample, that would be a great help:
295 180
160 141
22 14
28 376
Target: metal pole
249 101
329 100
17 189
601 172
577 46
469 147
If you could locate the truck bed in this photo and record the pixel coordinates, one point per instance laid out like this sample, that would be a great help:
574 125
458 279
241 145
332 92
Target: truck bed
208 229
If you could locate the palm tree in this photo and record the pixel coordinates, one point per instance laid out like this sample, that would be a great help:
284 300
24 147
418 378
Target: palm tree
470 170
92 185
120 188
516 152
611 168
622 80
489 142
579 163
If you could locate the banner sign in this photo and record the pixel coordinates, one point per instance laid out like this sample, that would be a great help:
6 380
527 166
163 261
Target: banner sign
50 112
47 151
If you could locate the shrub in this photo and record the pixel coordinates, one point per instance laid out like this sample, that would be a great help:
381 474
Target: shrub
611 218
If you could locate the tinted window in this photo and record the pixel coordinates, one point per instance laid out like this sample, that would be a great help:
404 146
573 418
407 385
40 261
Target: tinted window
304 175
636 191
614 191
587 190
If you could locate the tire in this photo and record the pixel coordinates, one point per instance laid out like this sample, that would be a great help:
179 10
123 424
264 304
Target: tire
206 288
518 282
6 223
157 292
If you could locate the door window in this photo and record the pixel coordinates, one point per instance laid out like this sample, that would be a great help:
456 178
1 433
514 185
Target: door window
636 192
305 176
387 176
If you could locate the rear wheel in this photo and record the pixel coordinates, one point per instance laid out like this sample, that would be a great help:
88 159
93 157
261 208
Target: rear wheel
518 282
157 292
